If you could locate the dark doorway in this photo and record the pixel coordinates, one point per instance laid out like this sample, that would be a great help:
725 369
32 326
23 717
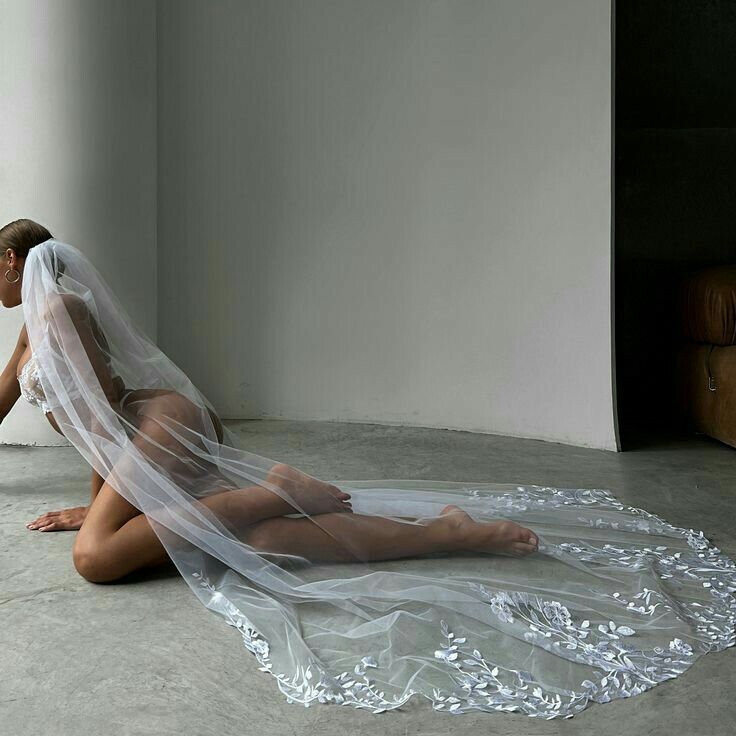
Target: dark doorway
674 188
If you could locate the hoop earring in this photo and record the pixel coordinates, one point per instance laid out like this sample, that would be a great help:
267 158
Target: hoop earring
15 281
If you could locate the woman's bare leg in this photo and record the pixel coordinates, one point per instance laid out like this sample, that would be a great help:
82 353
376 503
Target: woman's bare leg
115 538
360 537
335 537
356 538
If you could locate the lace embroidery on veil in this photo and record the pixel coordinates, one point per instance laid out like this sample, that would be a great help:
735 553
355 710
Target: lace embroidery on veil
623 668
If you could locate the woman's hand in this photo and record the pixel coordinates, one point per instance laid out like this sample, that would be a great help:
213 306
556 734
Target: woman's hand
57 521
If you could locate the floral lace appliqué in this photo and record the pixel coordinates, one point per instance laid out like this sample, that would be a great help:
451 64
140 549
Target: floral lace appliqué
624 668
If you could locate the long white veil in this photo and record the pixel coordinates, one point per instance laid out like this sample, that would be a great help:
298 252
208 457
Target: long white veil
615 600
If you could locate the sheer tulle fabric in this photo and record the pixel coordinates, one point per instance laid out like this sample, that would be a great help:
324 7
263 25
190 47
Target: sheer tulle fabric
615 600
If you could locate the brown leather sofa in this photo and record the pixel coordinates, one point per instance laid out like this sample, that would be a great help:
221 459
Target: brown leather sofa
706 359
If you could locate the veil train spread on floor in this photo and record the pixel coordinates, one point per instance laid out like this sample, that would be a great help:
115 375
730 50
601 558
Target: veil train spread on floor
614 601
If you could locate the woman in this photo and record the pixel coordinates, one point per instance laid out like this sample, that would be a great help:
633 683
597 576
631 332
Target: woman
116 538
254 539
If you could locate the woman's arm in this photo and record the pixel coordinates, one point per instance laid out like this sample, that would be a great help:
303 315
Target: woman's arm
9 387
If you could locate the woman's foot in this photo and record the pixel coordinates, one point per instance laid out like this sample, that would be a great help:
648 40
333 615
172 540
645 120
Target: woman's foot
309 495
465 534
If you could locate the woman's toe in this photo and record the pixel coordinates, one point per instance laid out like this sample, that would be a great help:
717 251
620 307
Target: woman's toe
530 537
522 548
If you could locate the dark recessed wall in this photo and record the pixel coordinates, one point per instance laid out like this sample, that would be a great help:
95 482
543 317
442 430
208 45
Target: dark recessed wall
675 184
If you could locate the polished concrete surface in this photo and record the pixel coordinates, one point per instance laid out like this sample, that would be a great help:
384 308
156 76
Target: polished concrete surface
145 657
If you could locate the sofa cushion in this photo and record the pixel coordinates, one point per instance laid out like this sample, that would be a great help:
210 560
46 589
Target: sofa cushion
709 305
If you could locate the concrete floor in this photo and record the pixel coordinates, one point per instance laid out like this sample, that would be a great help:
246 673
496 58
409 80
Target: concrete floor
145 657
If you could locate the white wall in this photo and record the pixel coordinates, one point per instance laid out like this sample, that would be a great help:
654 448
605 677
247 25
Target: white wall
78 150
392 211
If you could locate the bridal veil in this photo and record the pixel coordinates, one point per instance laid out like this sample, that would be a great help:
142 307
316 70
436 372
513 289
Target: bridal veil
614 601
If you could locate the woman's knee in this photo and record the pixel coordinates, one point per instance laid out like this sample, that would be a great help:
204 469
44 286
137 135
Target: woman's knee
91 561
